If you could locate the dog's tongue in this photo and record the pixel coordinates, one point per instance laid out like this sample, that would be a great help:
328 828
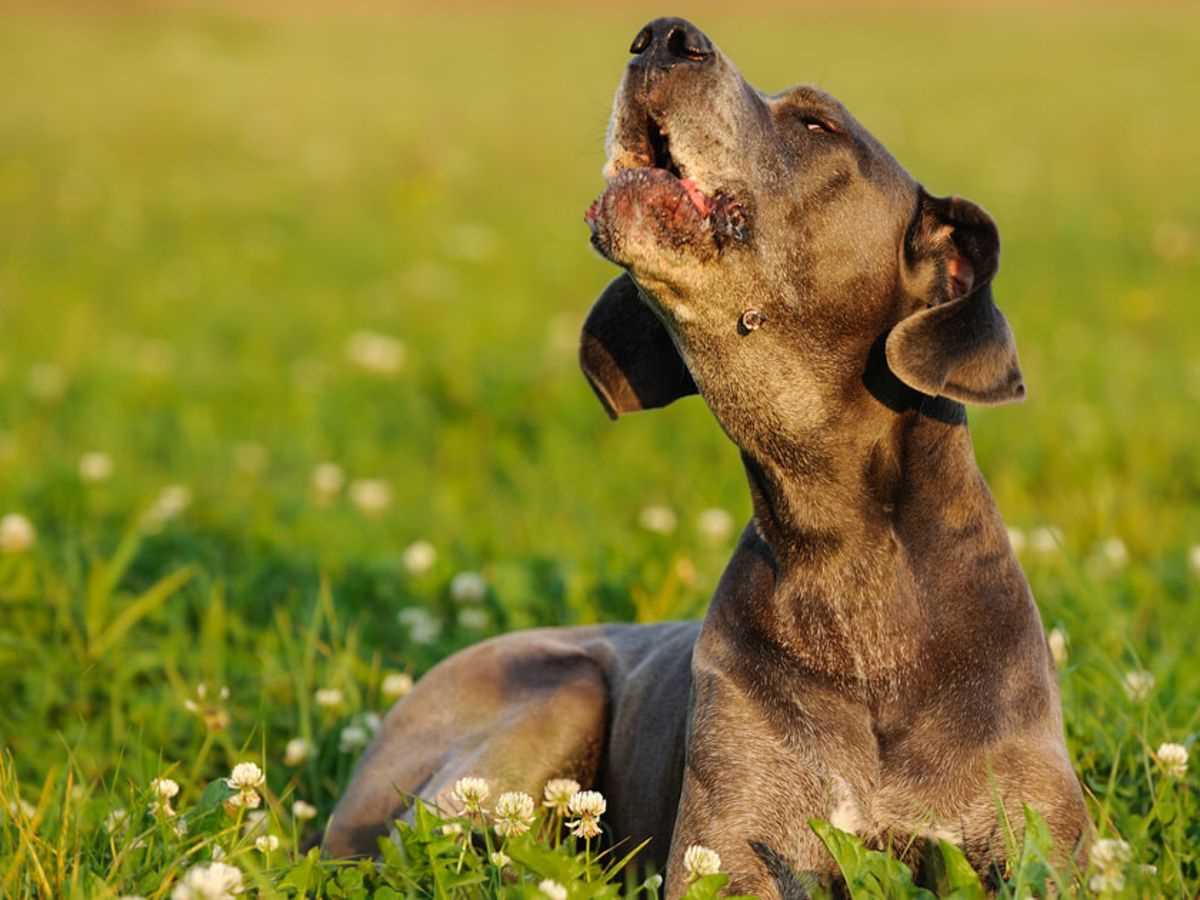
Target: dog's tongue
697 196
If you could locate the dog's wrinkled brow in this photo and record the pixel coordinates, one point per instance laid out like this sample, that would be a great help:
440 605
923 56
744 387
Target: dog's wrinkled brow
808 96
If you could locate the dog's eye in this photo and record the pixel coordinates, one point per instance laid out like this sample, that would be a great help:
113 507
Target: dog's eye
816 123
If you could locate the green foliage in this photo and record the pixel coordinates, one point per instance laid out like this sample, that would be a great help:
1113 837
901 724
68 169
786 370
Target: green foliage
868 873
202 212
872 874
951 876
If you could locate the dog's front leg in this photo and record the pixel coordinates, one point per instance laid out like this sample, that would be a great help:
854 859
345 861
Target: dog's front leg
751 785
760 858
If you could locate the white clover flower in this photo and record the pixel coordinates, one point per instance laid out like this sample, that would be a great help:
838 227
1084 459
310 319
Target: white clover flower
423 627
1106 882
1194 559
513 814
587 807
95 467
1046 539
47 381
659 519
17 534
370 495
552 889
181 827
588 803
211 712
1173 758
1109 857
266 843
250 458
302 811
353 737
1057 639
558 793
471 793
164 790
380 354
209 881
474 618
1114 552
327 480
499 859
21 808
396 684
170 502
419 557
1016 540
715 525
202 696
1138 685
246 778
116 820
700 862
1109 853
453 829
329 698
246 774
468 587
297 751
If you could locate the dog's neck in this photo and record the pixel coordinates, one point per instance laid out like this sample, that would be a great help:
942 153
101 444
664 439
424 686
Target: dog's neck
853 465
859 518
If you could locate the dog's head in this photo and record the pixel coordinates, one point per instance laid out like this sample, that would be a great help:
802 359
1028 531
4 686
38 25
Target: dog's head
770 245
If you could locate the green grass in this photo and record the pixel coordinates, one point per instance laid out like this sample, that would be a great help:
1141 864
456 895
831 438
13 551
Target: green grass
198 212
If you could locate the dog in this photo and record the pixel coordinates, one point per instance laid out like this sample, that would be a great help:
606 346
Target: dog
872 654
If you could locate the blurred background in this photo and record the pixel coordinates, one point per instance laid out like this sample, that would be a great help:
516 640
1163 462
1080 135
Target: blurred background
289 302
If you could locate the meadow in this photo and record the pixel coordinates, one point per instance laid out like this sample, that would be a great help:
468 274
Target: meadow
290 408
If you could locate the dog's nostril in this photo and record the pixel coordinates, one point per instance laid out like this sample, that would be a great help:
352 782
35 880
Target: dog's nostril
642 41
677 43
686 41
667 42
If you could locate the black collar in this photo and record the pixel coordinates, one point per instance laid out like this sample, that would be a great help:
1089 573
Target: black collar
884 386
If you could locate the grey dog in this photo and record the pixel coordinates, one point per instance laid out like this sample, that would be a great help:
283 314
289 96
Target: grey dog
872 654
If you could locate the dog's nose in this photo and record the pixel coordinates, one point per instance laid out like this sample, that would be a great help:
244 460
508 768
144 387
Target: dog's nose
669 42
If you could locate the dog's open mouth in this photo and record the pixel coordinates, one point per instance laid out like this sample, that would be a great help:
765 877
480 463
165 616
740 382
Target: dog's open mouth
659 143
650 185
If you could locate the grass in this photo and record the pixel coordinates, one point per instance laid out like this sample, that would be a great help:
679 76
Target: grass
199 212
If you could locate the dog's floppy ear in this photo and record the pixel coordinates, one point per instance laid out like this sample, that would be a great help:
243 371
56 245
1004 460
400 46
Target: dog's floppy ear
627 355
959 345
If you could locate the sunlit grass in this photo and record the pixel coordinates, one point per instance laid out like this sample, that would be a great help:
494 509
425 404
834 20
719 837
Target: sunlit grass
289 403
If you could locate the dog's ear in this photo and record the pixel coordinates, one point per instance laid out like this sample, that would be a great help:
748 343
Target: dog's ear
959 344
627 355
